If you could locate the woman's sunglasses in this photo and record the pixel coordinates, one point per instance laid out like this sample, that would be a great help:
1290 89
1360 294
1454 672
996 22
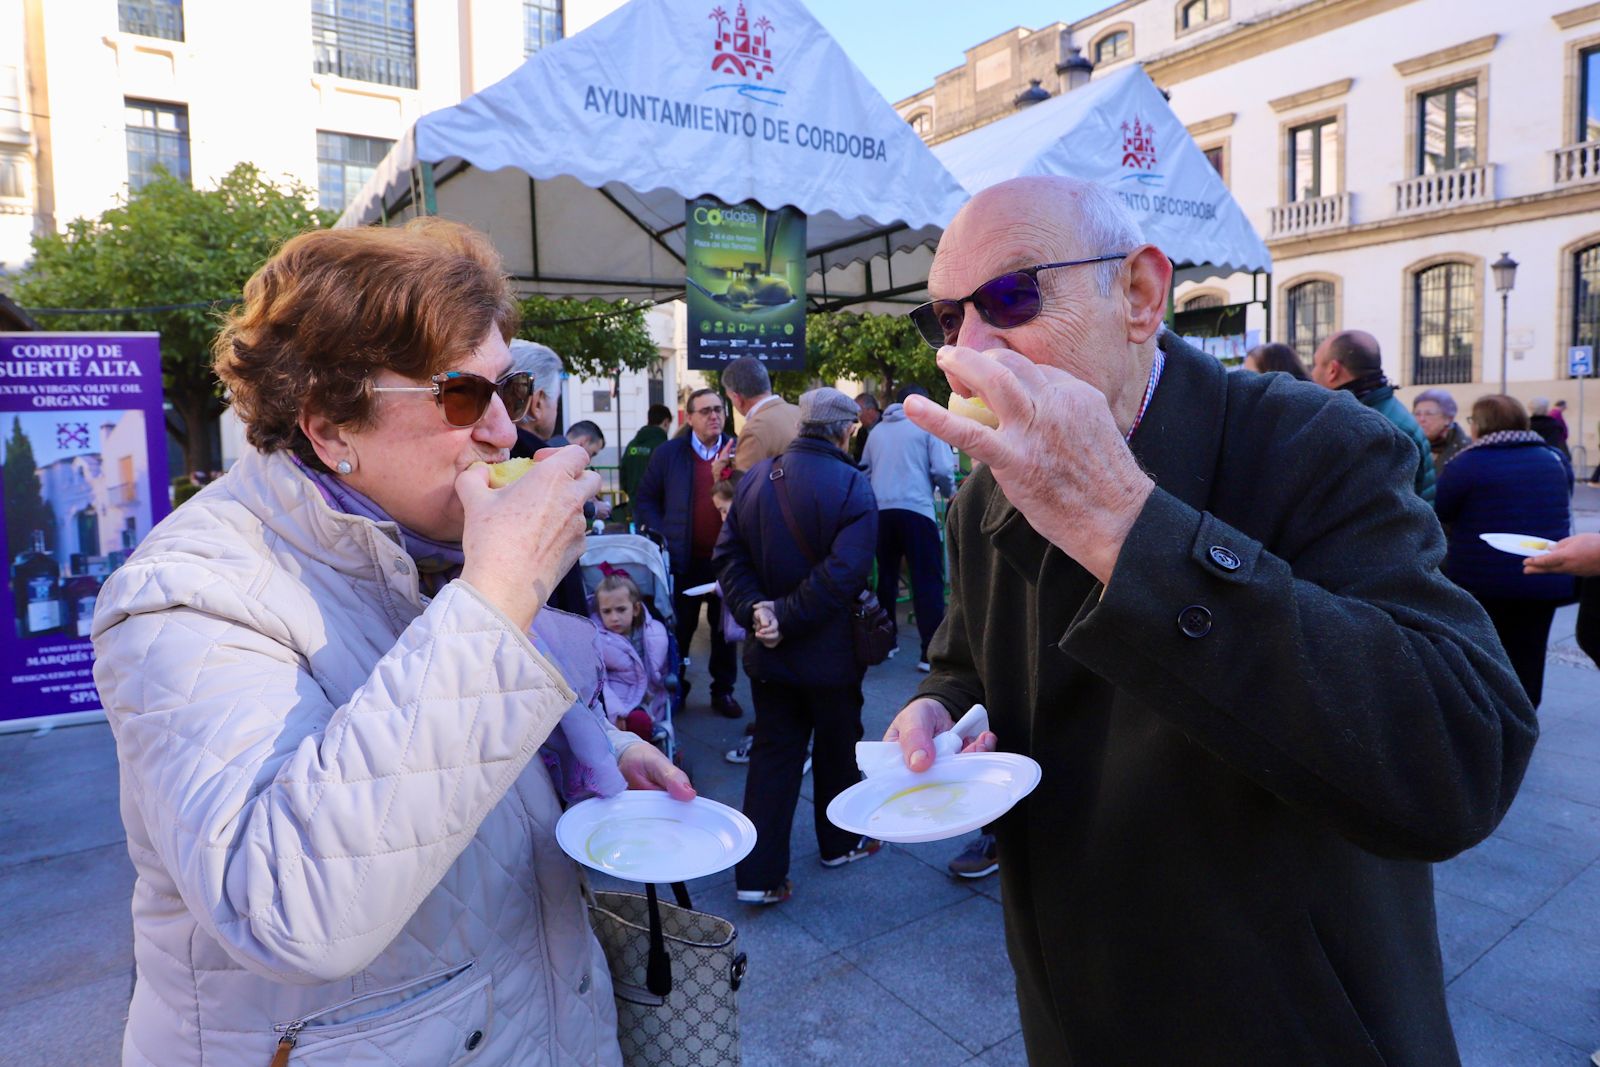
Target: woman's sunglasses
462 398
1004 302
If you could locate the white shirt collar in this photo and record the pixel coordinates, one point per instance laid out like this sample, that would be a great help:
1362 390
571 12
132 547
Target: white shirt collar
759 404
705 452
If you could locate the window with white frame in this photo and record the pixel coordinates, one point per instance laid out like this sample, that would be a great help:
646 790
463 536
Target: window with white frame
367 40
158 136
1113 46
1447 128
344 163
1314 160
151 18
542 24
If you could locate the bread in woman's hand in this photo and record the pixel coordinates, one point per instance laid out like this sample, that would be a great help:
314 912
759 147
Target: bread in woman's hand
507 471
974 409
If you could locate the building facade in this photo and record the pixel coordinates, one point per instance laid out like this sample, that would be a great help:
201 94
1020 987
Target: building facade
95 95
1389 151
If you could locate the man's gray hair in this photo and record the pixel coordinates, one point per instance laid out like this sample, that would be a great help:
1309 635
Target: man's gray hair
1105 226
541 363
1540 405
1446 402
747 376
832 430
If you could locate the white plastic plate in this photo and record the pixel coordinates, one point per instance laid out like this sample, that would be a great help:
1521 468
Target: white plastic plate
1519 544
957 794
643 835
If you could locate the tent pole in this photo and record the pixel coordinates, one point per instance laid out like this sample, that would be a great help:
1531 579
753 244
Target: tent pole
533 225
1267 304
430 205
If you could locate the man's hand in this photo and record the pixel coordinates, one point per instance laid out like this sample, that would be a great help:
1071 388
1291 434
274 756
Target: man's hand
918 723
645 767
1578 554
766 621
1058 455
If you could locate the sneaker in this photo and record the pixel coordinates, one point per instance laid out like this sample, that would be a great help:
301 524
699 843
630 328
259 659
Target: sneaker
740 753
924 666
727 706
980 858
867 847
766 896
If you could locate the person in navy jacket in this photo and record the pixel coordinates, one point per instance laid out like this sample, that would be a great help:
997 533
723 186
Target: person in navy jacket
674 500
1509 480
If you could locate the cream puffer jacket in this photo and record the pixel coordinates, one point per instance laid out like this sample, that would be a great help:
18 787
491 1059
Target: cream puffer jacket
333 801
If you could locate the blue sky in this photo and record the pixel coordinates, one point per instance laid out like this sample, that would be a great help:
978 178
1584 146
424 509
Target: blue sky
901 44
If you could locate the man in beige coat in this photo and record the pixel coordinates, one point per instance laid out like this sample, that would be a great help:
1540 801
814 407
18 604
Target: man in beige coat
770 421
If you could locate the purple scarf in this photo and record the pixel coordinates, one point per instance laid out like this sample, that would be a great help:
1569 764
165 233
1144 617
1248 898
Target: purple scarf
578 753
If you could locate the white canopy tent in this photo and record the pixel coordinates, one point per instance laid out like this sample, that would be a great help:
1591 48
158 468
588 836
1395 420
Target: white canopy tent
579 164
1120 132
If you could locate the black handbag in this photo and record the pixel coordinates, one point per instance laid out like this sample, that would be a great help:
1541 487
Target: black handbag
871 627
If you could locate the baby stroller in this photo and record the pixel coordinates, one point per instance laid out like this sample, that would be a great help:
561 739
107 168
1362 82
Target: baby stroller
644 558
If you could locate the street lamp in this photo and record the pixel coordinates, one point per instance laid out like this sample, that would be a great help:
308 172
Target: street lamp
1505 279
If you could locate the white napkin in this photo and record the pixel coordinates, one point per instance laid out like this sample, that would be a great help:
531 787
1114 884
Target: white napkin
876 757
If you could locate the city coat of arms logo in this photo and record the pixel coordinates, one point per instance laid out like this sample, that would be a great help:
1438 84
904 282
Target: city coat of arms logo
742 51
1138 145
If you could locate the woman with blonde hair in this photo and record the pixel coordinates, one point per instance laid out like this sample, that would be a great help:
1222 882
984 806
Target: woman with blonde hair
343 734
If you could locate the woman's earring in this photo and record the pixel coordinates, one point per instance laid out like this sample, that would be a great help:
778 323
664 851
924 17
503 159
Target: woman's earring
344 466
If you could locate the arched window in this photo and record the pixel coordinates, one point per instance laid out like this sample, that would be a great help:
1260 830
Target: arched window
921 123
1309 316
88 524
1443 322
1112 47
1586 296
1203 300
1195 13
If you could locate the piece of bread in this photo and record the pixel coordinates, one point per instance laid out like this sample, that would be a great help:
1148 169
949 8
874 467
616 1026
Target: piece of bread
507 471
974 409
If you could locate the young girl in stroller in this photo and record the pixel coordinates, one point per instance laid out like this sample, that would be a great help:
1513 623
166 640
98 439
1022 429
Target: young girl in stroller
619 608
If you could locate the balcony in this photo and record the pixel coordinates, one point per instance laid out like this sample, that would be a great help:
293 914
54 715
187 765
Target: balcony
1311 216
1463 187
1577 163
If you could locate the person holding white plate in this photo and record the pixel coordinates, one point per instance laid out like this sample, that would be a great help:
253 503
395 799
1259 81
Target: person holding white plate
1209 606
1508 481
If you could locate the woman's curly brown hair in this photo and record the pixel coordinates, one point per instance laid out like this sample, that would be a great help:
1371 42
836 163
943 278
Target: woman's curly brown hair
334 307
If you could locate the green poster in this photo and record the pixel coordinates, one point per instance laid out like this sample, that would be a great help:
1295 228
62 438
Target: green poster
746 269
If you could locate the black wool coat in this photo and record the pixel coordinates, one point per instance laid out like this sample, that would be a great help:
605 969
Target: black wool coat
1255 739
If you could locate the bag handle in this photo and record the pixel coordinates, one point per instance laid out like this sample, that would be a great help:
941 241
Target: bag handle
658 968
776 477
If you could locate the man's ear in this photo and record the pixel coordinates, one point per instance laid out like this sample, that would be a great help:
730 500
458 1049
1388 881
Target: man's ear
327 438
1149 282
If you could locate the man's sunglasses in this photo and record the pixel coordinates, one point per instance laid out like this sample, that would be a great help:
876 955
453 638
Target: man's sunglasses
462 398
1004 302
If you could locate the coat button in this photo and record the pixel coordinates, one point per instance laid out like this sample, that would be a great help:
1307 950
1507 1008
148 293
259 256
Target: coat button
583 984
474 1039
401 565
1224 558
1194 621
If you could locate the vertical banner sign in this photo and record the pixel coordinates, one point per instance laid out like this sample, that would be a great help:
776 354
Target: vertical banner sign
746 269
85 476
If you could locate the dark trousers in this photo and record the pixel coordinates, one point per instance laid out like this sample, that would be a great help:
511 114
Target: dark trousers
1589 618
724 662
904 534
1524 629
786 716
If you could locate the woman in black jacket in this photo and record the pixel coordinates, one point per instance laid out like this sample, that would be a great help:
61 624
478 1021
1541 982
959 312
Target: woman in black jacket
796 550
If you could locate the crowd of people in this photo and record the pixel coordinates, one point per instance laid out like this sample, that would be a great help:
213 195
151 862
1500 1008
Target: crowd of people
1244 622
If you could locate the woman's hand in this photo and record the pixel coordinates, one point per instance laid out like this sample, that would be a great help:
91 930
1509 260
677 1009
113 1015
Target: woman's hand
645 767
520 540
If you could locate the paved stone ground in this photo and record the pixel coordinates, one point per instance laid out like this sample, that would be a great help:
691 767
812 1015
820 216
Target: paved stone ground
886 961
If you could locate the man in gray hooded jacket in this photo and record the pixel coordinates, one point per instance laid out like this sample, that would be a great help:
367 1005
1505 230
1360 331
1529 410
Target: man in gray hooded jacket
906 463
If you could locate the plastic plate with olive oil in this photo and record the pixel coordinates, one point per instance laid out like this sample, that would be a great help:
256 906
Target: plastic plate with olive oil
643 835
957 794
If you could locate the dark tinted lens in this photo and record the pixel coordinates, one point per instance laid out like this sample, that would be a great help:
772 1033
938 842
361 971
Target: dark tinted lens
516 390
464 399
1007 301
938 322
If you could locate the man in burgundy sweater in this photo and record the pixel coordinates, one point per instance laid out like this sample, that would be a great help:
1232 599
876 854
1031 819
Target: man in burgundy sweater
674 500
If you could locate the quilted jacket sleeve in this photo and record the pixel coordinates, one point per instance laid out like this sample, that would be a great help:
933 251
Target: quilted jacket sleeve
300 834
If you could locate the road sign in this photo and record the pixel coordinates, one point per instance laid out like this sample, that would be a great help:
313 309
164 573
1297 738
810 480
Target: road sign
1580 361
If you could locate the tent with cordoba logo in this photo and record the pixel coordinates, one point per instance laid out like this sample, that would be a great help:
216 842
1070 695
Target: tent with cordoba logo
1120 132
580 162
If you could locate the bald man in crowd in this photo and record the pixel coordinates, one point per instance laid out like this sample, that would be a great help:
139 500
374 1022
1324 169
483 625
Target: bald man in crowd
1350 360
1209 605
